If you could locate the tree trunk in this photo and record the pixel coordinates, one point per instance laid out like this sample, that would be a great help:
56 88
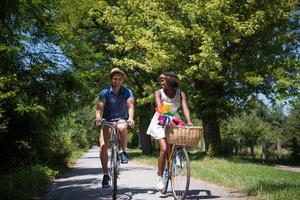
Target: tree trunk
263 150
211 92
252 148
236 149
278 149
144 121
212 137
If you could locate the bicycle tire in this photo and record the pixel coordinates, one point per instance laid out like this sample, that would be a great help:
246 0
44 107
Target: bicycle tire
115 172
180 174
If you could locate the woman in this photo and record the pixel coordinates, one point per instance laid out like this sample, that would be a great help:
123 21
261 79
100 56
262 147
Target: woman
168 99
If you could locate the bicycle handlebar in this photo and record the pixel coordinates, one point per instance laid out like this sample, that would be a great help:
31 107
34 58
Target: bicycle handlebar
113 124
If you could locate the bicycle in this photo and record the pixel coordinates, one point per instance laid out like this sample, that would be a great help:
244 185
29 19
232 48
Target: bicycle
177 166
114 164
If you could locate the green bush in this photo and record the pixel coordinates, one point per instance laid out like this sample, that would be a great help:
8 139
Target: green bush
26 183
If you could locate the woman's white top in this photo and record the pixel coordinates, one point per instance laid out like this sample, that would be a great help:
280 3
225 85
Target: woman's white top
156 130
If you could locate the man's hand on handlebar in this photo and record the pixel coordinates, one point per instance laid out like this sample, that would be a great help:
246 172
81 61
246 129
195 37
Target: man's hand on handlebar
97 122
131 123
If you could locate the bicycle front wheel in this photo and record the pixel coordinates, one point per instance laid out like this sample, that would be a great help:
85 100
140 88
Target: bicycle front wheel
114 171
180 174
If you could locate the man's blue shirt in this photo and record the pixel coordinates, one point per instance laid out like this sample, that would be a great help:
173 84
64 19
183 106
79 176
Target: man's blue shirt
115 105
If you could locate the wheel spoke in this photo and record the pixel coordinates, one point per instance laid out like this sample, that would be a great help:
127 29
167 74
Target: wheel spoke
180 174
114 170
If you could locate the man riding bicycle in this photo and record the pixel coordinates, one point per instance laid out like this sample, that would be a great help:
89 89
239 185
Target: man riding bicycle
115 103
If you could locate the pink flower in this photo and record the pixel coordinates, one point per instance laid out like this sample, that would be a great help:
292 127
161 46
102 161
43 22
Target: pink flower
177 121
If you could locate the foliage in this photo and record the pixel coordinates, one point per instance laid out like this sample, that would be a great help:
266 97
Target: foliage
293 121
4 96
74 131
55 55
26 183
293 130
225 44
246 129
36 88
223 51
262 125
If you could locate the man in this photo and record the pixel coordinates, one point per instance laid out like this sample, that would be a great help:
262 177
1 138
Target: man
116 103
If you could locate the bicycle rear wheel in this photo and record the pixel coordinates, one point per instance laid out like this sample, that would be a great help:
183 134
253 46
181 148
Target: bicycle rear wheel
114 171
180 174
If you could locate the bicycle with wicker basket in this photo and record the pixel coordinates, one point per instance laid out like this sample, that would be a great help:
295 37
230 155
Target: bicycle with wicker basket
177 166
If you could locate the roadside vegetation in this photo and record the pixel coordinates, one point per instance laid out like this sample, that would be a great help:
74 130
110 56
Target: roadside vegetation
69 140
25 183
253 179
29 183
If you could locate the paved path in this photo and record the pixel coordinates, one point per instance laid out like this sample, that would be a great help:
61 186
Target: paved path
136 182
289 168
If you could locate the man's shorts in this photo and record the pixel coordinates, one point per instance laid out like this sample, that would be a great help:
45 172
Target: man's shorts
105 133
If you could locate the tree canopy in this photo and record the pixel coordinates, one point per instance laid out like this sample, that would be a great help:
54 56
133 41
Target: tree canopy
55 56
36 89
225 52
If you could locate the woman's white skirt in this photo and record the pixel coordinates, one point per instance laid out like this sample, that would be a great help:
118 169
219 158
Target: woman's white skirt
155 130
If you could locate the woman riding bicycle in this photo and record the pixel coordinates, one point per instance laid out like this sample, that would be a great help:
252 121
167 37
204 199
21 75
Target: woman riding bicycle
168 99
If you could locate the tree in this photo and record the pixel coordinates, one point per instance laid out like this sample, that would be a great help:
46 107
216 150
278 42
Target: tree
36 89
246 129
85 39
293 130
223 51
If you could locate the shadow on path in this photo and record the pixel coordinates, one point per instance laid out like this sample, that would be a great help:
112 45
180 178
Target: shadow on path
83 182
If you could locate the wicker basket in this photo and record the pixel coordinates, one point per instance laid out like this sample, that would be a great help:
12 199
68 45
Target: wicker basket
184 135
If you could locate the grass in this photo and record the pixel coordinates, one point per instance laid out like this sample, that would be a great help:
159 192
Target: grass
260 181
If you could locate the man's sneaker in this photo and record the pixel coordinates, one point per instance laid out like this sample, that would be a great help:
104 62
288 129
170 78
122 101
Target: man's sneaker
124 157
105 181
160 184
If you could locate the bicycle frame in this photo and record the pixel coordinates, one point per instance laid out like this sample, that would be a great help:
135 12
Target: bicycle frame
114 157
172 168
170 156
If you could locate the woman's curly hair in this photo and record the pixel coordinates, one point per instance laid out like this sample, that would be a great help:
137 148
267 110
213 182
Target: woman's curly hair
171 78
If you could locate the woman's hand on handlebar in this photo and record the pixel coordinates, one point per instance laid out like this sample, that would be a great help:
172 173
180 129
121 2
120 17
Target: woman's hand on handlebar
190 123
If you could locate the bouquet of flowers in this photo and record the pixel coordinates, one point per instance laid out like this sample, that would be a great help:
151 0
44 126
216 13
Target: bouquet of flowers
167 117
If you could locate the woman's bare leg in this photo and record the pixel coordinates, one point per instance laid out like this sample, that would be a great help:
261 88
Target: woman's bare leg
163 147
